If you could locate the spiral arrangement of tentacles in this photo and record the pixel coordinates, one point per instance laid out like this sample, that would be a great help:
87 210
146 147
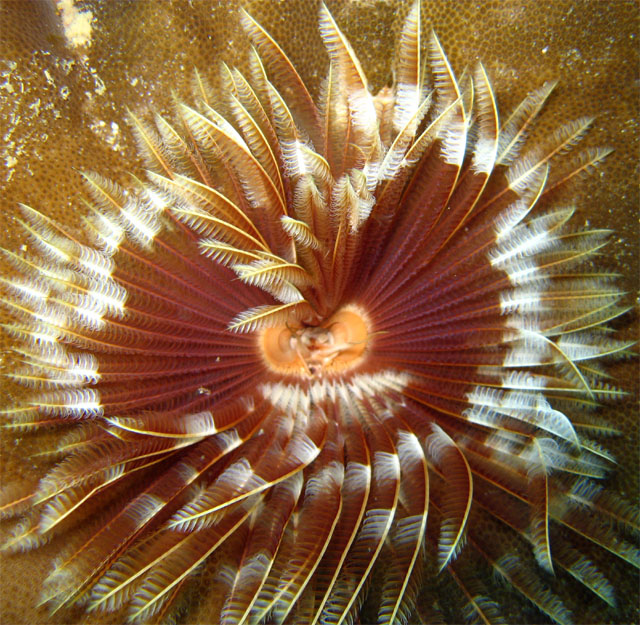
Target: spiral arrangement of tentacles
318 336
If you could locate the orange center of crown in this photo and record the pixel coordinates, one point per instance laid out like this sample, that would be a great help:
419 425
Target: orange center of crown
335 346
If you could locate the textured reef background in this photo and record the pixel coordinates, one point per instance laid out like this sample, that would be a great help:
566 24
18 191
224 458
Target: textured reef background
64 96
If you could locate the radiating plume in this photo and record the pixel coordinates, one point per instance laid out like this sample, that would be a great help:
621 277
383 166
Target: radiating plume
323 343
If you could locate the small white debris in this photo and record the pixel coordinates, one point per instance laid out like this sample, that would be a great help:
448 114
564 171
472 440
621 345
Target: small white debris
75 24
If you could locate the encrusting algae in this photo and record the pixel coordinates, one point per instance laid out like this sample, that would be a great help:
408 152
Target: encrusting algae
339 338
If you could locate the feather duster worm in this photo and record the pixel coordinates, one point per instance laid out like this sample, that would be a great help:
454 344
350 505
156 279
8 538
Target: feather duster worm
319 336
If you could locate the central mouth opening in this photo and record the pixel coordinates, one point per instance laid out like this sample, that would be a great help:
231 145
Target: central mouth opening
334 346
